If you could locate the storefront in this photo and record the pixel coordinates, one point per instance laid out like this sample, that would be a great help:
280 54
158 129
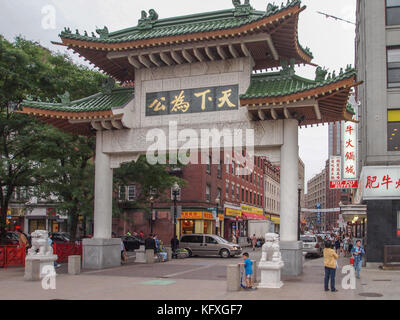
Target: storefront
379 189
234 223
276 221
15 218
44 219
191 222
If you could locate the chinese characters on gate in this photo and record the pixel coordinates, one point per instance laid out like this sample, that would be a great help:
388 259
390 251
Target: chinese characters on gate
192 101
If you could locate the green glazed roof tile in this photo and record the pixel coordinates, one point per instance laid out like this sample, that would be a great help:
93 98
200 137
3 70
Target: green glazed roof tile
276 84
118 97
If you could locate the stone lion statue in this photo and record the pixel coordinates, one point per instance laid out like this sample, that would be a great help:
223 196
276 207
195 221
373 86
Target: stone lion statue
40 242
270 249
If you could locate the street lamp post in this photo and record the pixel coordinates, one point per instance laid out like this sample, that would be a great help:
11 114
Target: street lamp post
217 201
175 192
151 214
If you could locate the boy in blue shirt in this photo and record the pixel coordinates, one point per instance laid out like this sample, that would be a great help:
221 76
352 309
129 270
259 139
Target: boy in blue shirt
248 269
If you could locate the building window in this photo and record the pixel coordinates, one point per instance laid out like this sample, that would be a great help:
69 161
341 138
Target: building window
247 196
208 168
233 167
393 128
233 192
131 193
208 193
393 67
242 194
227 190
219 173
238 193
392 12
122 193
219 193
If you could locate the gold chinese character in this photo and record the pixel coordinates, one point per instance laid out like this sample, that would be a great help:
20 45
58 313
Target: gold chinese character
179 103
225 99
203 99
157 105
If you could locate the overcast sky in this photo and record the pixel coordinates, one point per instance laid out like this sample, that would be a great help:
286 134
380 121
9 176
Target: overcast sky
331 41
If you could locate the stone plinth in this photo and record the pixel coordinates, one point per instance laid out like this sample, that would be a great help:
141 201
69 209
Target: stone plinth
36 266
140 255
74 265
101 253
270 275
233 277
292 256
169 253
149 256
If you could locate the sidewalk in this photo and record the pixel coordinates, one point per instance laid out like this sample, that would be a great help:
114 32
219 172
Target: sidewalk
185 280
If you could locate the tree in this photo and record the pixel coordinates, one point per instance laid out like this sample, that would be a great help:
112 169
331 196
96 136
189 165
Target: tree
28 69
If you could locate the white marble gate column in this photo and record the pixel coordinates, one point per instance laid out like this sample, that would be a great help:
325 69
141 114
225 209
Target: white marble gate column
102 251
291 248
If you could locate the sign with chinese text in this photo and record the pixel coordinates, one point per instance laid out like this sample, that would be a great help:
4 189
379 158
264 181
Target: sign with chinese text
229 212
350 151
192 215
192 101
380 182
252 210
335 168
346 184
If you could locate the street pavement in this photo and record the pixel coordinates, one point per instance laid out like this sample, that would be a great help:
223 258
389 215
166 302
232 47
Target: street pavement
194 279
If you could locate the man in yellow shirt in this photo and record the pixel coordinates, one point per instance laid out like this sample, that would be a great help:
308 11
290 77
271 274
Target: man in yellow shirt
330 261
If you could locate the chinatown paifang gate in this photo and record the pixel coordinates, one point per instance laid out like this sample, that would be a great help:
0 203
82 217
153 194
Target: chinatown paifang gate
203 71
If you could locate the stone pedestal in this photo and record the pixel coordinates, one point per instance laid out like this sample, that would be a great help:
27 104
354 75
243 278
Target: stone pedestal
292 256
35 266
74 265
149 256
101 253
233 277
270 275
140 255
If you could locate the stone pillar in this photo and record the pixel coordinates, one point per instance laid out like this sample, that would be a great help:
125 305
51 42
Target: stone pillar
291 248
102 251
233 277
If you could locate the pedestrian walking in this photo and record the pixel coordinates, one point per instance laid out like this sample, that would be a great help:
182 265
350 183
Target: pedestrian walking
23 241
337 245
358 253
254 241
346 246
174 245
157 244
350 245
330 262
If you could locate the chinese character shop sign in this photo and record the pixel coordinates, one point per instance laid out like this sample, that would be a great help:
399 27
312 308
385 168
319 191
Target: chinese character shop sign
381 182
350 151
192 101
335 168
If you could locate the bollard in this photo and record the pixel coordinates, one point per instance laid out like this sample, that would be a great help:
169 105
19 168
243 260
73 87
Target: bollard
32 270
149 256
74 265
233 277
140 255
169 253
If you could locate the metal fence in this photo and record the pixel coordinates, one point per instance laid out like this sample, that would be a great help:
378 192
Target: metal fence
12 255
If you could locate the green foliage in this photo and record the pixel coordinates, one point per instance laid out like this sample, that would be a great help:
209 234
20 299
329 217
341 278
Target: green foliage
153 181
28 149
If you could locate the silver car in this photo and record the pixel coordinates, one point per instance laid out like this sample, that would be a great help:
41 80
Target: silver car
209 245
313 245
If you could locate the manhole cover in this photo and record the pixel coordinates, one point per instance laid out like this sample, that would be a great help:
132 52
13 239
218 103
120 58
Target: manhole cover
371 295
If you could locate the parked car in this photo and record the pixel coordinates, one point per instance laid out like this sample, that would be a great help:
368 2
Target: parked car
60 237
132 243
313 245
209 245
13 236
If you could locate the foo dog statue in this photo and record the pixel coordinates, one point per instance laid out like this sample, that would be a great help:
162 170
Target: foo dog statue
40 242
270 249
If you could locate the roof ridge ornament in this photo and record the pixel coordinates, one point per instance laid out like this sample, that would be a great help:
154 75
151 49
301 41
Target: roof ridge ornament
272 8
103 33
320 74
147 22
65 98
242 9
108 85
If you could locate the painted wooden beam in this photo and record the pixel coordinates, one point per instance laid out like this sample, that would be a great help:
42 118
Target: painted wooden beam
222 53
146 62
177 58
133 61
199 55
187 56
210 54
166 59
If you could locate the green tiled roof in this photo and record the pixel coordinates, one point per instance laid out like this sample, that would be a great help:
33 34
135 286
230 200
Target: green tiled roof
350 109
151 28
276 84
101 101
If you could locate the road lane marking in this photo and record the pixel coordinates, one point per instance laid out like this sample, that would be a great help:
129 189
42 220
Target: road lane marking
188 271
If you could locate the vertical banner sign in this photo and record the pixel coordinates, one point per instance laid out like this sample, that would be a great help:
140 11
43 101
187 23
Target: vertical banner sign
350 151
335 168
